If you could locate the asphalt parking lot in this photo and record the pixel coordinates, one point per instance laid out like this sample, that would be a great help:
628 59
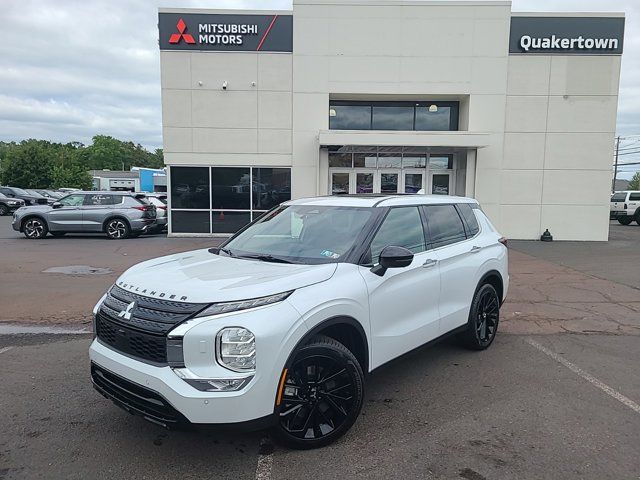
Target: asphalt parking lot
556 396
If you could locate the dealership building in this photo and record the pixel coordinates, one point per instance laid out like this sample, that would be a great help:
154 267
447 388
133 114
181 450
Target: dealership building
517 110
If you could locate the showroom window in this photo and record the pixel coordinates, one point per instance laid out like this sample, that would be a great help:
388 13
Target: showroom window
419 116
224 199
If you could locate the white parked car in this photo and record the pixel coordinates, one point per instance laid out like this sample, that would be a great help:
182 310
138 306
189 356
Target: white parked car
279 325
625 207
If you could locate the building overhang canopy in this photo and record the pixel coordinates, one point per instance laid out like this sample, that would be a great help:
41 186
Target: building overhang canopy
402 138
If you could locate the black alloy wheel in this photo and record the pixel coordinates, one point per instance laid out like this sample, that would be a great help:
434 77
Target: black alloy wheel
484 317
35 228
4 210
322 395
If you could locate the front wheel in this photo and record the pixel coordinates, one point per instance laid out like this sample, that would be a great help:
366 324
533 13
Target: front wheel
625 220
321 396
484 316
117 229
35 228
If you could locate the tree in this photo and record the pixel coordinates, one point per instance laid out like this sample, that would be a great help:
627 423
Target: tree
634 184
28 165
70 176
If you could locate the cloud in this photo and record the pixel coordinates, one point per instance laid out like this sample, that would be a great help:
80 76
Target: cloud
70 69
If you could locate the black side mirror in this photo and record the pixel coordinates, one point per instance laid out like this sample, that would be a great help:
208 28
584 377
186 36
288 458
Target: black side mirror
392 257
56 205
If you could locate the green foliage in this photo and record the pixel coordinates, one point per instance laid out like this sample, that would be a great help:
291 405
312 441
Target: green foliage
70 176
634 184
43 164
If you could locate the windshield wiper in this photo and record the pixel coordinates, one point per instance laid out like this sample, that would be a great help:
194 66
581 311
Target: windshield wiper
264 258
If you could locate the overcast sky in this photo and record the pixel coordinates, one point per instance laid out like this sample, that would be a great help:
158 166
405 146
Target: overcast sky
70 69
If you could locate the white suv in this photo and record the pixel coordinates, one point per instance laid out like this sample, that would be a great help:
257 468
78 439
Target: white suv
279 325
625 207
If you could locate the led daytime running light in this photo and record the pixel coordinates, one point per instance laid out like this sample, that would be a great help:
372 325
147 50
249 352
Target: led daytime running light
227 307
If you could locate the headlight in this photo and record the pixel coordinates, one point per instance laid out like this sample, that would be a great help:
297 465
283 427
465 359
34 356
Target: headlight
236 349
226 307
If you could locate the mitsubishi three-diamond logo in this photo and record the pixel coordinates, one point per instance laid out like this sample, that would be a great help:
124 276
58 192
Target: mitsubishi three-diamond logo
126 313
181 35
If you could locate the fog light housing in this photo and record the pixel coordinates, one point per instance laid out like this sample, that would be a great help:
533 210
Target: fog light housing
212 384
236 349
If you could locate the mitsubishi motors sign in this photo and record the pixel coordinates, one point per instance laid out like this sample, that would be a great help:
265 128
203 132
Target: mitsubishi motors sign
220 32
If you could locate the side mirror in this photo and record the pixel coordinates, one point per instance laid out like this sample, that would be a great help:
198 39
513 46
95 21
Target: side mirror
56 205
392 257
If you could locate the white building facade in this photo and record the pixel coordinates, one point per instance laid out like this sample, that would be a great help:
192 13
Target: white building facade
465 98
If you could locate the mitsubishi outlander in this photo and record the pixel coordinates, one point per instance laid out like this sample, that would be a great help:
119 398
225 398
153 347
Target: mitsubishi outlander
279 325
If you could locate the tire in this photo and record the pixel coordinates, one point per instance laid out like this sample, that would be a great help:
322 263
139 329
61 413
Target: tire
35 228
58 234
484 317
322 397
625 220
117 229
4 210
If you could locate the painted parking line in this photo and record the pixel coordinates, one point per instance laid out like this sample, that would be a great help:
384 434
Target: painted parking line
5 349
587 376
265 460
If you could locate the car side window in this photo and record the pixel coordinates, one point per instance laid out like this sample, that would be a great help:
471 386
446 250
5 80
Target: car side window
72 200
98 199
470 220
634 197
445 225
402 227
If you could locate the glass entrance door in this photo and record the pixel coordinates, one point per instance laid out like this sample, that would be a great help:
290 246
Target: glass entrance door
440 183
340 182
389 181
413 181
365 182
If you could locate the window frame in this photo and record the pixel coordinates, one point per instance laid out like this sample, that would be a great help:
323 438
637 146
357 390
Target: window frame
454 124
467 228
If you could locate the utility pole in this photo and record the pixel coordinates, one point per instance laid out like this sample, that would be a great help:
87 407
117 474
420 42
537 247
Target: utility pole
615 169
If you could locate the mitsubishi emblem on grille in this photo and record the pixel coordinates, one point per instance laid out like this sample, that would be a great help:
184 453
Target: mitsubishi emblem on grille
126 313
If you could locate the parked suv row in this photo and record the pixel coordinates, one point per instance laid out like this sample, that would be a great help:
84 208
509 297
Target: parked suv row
30 198
625 207
118 214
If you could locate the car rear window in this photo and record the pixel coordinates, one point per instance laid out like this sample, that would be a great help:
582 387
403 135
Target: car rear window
445 225
619 197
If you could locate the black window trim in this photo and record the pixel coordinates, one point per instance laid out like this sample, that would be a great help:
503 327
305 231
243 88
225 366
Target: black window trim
467 228
453 105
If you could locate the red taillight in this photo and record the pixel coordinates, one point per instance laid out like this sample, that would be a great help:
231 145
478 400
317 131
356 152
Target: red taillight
163 208
503 241
142 209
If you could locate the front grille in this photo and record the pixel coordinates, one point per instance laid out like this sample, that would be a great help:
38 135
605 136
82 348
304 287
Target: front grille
143 335
135 398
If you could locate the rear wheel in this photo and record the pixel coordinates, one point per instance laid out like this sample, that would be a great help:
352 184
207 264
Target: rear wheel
117 229
321 397
4 210
484 316
35 228
625 220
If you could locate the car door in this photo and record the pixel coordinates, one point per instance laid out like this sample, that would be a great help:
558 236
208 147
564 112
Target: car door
460 253
95 210
403 303
66 216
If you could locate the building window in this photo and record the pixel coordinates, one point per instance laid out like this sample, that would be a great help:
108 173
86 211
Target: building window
224 199
418 116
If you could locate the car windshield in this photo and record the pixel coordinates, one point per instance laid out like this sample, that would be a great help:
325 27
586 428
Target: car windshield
619 197
19 191
35 194
301 234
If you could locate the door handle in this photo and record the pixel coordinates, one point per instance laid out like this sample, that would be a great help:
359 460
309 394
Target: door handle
429 263
475 249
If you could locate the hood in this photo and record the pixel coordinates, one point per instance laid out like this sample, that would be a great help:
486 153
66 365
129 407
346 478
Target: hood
200 276
36 208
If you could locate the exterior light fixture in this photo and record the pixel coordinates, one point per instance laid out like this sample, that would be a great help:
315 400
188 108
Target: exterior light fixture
433 108
332 112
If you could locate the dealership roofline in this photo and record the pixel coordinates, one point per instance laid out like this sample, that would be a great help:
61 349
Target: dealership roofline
223 11
568 14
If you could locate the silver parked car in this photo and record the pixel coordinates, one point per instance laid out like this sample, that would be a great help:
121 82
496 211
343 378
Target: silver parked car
118 214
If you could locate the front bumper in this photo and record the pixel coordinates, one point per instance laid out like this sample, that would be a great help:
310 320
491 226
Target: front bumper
615 214
278 328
